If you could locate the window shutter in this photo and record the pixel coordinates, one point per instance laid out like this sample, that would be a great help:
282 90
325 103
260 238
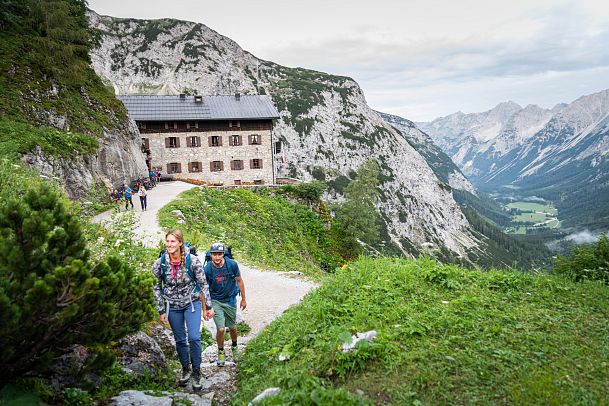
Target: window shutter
211 166
221 165
251 164
177 142
240 140
209 141
249 141
220 140
232 165
198 141
260 160
259 139
188 142
167 142
190 167
168 167
179 168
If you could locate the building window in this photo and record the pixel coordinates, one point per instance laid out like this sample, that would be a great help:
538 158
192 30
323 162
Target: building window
235 140
192 124
237 181
141 125
236 165
216 166
234 123
193 141
145 144
215 141
258 182
256 164
174 167
172 142
195 167
255 139
278 147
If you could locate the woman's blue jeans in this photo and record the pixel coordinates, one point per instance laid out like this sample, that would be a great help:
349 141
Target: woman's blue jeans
185 321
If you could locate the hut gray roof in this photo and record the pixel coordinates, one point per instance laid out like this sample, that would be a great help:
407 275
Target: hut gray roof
181 107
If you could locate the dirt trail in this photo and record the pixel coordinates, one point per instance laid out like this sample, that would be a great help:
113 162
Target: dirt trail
268 293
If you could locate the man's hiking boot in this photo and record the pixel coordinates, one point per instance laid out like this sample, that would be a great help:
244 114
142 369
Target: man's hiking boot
221 358
185 376
236 353
196 380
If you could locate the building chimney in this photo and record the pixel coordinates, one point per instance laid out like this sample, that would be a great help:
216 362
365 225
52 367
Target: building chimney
198 99
237 96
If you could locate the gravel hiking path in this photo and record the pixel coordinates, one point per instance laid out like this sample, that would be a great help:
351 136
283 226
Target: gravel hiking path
268 293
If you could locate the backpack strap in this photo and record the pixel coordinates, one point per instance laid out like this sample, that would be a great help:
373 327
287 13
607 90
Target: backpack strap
163 266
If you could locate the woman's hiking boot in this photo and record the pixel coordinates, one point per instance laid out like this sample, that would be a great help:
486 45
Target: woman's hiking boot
185 376
196 380
221 358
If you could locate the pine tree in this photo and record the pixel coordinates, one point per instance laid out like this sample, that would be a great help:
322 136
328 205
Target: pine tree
356 218
51 294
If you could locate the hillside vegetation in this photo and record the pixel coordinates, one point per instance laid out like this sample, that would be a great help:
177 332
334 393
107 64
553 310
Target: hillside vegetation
446 335
264 228
46 81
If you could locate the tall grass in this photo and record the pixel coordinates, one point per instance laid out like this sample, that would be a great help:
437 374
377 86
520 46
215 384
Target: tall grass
446 335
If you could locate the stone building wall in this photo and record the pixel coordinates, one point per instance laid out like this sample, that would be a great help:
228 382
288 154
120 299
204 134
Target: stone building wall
197 161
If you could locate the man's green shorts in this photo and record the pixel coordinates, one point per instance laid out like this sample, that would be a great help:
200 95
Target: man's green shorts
225 315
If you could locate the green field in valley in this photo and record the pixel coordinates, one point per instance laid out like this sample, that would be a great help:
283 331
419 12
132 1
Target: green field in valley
529 215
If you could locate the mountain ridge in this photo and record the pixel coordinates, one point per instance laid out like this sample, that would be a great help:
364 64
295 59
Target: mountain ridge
553 154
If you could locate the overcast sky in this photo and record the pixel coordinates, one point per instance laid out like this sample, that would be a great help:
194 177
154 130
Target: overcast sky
418 59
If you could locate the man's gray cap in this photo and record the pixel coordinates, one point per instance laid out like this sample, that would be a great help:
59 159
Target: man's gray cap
217 247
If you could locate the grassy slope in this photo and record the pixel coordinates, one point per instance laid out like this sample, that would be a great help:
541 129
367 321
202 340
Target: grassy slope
36 82
446 336
265 230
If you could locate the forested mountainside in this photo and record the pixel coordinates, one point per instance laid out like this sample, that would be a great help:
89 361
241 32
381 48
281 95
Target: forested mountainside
326 127
560 154
55 113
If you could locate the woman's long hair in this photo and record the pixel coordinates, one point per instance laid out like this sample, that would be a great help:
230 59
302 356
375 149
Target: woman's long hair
180 237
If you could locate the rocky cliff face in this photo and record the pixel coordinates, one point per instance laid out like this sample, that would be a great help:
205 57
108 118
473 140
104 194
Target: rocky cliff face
326 127
118 160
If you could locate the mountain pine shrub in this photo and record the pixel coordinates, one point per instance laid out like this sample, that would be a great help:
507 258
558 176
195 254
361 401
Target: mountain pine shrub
52 294
586 262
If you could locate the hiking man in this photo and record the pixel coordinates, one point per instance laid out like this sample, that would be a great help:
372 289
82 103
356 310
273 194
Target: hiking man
128 194
225 283
182 297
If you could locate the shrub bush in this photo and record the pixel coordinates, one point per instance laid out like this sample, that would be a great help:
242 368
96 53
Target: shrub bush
587 261
51 293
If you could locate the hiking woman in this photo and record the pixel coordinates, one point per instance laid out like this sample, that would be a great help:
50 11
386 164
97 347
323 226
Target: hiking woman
182 296
143 197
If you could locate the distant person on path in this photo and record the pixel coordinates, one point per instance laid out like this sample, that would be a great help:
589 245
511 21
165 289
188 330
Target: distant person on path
223 277
143 197
128 195
182 296
152 176
115 196
157 175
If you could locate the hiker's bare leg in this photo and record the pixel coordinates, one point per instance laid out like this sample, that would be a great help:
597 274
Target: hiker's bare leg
220 337
233 334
